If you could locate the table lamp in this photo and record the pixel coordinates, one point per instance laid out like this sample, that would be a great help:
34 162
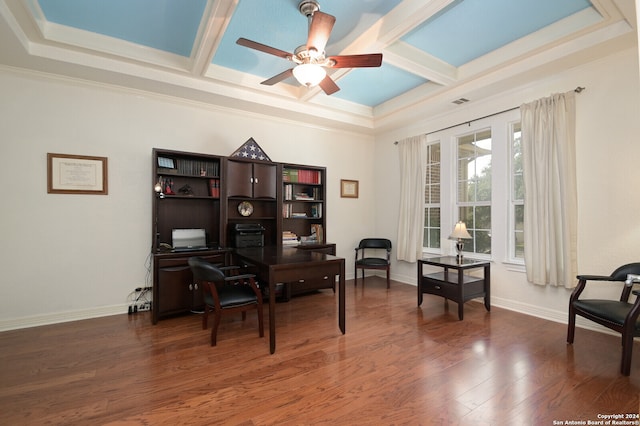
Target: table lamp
459 233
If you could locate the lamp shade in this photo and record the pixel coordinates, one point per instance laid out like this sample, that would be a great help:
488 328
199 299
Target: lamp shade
309 75
460 231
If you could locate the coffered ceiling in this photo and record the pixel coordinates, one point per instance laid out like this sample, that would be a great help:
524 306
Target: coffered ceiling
435 52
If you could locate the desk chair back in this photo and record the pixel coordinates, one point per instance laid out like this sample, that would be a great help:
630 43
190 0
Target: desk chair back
222 293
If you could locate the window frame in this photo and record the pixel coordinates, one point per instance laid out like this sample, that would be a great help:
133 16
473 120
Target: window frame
426 228
475 204
500 184
513 201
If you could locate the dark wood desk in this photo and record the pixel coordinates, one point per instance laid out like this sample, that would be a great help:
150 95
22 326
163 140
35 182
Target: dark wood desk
288 264
456 286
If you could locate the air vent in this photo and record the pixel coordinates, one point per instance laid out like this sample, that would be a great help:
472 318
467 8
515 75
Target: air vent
460 101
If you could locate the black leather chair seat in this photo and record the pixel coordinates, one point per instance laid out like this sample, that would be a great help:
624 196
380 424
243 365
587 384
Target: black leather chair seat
372 261
611 311
234 296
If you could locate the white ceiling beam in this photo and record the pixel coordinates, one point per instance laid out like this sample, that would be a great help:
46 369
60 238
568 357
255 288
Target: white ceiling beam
216 18
396 24
404 56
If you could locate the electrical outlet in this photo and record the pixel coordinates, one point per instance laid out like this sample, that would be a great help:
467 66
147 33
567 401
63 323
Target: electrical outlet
140 307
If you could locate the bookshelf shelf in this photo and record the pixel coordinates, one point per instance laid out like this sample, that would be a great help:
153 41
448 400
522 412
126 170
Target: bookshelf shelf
303 206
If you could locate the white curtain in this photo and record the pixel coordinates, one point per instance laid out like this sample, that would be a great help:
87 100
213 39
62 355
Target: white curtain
550 201
412 178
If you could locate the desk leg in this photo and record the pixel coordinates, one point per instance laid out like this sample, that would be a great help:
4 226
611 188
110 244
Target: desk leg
272 314
341 297
487 288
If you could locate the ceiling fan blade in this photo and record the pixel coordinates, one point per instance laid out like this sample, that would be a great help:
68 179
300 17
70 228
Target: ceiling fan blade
328 85
264 48
320 30
278 78
356 61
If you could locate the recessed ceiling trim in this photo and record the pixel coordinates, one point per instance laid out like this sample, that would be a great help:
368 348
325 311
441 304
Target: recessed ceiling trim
112 46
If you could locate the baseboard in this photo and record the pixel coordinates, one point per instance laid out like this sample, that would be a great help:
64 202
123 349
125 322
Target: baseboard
548 314
58 317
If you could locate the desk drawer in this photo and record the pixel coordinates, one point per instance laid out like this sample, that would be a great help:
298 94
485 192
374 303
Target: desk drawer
313 284
439 288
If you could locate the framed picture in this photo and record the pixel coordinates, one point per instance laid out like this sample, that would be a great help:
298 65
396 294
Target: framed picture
348 188
76 174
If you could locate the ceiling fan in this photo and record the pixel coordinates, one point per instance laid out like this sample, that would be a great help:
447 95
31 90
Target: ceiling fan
310 58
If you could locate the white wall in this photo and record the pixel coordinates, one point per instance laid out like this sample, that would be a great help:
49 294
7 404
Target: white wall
608 149
66 257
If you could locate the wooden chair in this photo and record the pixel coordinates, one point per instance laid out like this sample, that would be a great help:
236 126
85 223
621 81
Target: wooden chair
618 315
364 262
222 293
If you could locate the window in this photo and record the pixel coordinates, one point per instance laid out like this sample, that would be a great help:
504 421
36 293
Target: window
516 213
474 189
431 236
474 174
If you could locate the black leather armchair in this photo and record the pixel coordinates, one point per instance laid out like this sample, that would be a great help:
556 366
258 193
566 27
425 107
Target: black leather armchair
224 293
619 315
370 262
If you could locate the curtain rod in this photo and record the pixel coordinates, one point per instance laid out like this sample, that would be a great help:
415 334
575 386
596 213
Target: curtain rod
577 90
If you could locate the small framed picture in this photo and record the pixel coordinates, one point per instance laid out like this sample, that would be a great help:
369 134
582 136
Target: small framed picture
76 174
348 188
166 163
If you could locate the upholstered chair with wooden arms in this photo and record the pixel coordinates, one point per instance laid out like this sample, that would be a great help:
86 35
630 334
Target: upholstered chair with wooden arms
224 293
618 315
364 261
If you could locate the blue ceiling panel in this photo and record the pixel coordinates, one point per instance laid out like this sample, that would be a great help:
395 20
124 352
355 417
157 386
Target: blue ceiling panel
469 29
168 25
373 86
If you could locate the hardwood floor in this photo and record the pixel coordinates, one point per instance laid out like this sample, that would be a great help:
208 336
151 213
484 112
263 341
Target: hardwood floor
397 364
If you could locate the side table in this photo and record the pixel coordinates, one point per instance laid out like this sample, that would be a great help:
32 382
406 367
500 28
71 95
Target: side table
455 285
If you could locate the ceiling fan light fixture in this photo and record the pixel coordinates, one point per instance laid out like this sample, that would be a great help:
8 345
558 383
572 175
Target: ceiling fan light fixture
309 75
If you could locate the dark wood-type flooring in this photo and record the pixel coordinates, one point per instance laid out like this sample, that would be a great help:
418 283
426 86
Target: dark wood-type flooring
397 364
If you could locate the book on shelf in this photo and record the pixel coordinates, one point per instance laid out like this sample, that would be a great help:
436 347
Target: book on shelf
289 238
301 176
194 167
316 210
303 196
316 230
214 188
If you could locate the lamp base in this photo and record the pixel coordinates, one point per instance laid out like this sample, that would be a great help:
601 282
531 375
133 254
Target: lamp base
459 247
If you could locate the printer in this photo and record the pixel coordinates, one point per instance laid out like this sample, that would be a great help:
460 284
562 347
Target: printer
248 235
